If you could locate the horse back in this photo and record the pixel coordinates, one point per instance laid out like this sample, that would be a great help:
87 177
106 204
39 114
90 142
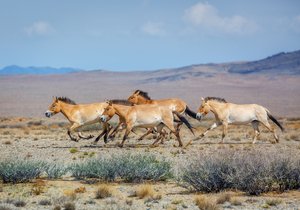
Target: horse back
175 104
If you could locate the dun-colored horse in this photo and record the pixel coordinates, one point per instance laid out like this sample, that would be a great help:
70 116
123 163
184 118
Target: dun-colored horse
175 104
79 115
147 116
229 113
120 108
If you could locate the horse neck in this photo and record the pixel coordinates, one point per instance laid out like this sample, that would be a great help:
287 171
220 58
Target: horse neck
215 107
142 100
66 109
121 110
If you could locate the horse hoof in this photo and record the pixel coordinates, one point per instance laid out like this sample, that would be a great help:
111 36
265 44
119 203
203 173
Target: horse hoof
120 145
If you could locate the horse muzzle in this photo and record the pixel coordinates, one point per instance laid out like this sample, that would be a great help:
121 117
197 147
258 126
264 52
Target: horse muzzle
198 116
48 114
103 118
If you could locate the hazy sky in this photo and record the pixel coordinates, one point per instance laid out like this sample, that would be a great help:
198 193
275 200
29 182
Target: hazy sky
144 34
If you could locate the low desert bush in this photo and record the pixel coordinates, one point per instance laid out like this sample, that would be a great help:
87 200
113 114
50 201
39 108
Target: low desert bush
128 167
69 206
55 170
254 172
223 197
45 202
103 191
144 191
205 203
20 170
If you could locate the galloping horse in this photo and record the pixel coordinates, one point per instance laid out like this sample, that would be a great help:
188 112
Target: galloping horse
174 104
229 113
79 115
120 108
148 116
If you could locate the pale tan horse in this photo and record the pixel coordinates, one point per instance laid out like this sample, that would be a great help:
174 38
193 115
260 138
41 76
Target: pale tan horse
229 113
149 116
120 108
175 104
79 115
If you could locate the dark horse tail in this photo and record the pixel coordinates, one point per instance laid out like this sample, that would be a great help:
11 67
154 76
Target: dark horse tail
182 119
190 112
275 121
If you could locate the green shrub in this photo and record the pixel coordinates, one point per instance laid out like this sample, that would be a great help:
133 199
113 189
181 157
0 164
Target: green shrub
55 170
128 167
254 172
20 170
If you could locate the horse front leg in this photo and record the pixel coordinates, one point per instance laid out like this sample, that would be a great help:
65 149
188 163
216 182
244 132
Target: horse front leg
105 130
213 126
71 129
125 136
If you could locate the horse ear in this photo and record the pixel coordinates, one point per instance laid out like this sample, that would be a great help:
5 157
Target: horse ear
137 92
55 98
109 103
202 99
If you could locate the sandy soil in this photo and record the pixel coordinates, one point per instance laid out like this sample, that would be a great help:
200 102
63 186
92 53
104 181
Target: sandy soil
43 139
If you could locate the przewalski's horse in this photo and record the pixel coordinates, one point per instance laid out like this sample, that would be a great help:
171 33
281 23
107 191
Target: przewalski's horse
149 116
120 108
79 115
175 104
229 113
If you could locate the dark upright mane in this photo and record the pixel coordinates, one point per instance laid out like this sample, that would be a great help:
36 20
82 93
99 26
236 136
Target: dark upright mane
222 100
143 94
66 100
121 101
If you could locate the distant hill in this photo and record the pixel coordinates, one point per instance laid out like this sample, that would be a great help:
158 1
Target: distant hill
281 63
15 70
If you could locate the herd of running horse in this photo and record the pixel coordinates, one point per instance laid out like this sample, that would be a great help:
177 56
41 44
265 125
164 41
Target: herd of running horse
139 110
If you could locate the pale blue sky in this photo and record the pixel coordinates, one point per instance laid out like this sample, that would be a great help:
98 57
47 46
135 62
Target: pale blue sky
144 34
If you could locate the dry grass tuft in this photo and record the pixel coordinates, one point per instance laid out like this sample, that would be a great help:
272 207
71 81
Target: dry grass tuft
273 202
71 194
144 191
80 190
205 203
7 142
69 206
57 208
103 191
236 201
224 197
38 187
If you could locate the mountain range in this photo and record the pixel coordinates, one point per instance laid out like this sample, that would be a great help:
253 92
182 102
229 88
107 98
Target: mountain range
279 64
15 70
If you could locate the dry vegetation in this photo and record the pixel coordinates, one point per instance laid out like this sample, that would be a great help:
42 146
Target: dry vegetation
51 172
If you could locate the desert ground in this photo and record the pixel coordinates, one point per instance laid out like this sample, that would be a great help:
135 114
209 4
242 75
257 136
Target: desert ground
47 140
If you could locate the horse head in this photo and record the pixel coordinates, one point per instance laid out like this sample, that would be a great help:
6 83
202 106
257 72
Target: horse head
203 110
108 112
54 108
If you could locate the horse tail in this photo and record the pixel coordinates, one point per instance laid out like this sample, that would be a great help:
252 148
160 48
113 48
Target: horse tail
274 120
190 112
185 121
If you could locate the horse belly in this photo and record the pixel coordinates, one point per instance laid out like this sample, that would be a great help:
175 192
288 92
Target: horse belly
148 122
241 119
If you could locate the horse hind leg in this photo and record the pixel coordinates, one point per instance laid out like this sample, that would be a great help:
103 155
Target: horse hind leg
270 128
170 125
225 130
255 124
84 137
